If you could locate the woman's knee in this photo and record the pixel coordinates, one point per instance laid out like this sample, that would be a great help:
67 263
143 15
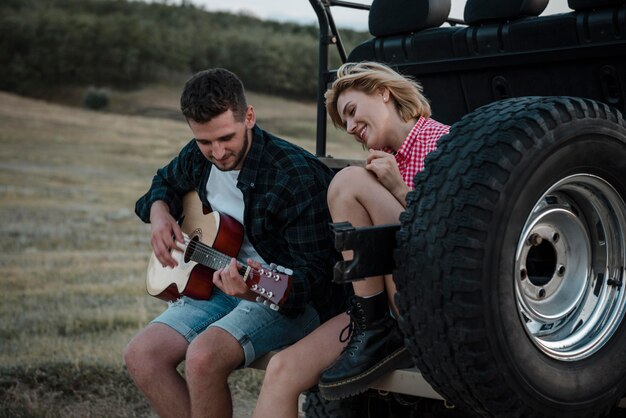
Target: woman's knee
281 363
347 183
282 371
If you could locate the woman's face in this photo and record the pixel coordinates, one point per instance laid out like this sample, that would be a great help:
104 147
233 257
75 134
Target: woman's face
369 117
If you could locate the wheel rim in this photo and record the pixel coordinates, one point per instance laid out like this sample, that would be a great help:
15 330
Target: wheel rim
569 267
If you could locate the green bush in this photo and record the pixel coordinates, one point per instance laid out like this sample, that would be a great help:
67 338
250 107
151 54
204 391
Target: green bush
96 98
125 44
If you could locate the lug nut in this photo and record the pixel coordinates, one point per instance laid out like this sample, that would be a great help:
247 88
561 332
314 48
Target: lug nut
535 239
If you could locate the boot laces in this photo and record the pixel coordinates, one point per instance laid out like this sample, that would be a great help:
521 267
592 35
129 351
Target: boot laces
348 330
354 328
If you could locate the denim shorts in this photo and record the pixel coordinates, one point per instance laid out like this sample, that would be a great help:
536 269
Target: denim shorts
258 328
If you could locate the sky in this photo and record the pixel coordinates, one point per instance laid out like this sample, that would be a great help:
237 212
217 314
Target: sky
300 11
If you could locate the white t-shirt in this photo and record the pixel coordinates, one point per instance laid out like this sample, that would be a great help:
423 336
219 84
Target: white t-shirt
225 197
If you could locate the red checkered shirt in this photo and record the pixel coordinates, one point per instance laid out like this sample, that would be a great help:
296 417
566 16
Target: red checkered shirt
421 140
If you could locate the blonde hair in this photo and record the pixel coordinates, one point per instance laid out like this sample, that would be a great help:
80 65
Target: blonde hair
369 77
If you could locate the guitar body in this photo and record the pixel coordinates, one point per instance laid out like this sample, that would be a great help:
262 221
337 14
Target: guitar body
217 230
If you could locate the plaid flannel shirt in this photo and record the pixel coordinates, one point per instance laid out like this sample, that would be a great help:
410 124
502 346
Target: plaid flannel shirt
286 216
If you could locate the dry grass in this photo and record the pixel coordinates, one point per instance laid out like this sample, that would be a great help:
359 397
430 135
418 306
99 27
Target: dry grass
73 254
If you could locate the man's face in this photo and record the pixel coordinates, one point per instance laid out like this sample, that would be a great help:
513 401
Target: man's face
223 140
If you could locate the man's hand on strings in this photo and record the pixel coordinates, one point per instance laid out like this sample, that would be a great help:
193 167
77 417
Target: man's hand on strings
166 233
230 281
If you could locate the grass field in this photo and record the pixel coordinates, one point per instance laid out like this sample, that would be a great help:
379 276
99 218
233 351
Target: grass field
73 254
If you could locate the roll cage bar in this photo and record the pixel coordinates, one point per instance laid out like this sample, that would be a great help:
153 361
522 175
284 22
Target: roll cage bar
329 35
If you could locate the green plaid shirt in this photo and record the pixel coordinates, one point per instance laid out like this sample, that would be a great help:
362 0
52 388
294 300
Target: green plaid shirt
286 216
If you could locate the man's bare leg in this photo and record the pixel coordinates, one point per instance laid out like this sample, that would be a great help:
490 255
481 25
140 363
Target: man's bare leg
211 358
151 358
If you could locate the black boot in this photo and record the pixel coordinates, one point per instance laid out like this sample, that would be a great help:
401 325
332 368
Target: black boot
376 347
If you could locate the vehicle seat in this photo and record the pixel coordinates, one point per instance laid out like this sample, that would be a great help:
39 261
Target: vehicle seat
464 67
393 17
393 22
593 4
479 11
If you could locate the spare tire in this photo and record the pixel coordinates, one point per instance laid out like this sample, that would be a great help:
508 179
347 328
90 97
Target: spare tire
510 260
316 406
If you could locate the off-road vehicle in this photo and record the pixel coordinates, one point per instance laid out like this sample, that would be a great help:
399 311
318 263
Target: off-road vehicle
510 256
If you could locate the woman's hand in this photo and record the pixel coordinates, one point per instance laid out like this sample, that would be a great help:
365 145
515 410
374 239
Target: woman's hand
165 233
385 167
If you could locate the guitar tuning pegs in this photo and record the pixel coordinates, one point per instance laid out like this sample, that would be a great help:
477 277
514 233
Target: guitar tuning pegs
273 266
268 303
288 272
280 269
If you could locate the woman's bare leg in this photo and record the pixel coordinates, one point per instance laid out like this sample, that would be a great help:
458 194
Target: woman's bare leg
297 368
356 196
376 345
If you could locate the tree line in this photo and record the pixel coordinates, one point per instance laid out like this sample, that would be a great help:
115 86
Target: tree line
124 44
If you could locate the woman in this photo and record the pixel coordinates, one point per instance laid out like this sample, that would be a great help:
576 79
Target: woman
387 113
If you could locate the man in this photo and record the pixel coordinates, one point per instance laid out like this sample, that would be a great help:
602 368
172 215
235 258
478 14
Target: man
278 192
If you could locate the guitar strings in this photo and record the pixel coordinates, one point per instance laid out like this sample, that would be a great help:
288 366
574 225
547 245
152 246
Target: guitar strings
202 252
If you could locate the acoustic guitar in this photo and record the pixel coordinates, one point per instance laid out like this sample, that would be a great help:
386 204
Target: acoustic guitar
211 240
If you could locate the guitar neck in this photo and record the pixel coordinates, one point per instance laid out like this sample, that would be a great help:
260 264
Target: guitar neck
210 257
